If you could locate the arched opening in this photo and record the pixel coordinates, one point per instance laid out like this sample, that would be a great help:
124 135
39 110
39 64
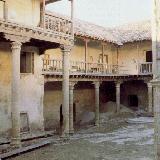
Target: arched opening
133 102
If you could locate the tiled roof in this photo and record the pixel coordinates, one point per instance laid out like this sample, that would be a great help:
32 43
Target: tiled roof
133 32
118 35
86 29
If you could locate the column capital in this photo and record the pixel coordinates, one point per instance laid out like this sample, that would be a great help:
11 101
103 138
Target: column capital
72 84
118 83
86 40
97 84
66 48
15 38
149 85
16 45
103 43
155 82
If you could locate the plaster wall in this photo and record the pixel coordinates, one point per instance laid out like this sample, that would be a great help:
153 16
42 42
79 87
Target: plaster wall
53 101
23 11
131 54
78 52
31 91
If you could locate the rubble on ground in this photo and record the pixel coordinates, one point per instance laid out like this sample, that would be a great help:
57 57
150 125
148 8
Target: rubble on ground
107 111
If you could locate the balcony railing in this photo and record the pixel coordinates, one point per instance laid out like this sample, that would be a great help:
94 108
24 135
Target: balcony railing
145 68
78 67
57 24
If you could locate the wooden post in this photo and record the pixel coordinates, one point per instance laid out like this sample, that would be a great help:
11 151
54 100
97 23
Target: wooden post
72 17
86 53
103 45
6 10
42 14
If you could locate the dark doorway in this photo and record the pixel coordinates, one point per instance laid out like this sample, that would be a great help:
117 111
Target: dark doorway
148 56
74 112
133 101
61 116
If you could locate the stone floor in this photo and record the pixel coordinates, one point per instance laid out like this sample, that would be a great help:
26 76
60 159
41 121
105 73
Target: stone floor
116 140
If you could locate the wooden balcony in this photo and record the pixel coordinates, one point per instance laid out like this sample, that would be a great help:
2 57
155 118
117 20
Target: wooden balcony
58 25
145 68
54 29
51 67
54 66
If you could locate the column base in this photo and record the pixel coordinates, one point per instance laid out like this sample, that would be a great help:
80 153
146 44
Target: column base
65 136
71 132
97 124
16 143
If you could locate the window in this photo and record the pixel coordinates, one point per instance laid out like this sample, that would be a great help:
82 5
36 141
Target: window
27 62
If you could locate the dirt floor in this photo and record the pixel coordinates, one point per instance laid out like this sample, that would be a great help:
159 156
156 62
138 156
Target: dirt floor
115 140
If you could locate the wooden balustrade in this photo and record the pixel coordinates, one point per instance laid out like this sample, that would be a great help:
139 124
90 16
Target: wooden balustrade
145 68
78 67
57 24
52 65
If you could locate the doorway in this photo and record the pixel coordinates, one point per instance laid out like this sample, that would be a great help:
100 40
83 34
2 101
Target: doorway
74 113
133 102
148 56
61 116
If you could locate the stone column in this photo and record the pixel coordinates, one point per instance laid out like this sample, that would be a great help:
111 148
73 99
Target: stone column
15 92
156 103
150 97
97 117
156 73
71 96
65 88
118 94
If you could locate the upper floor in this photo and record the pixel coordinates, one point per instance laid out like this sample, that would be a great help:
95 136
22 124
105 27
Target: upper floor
29 18
92 57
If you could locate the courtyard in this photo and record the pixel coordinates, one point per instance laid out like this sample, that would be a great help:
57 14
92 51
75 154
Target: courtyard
117 139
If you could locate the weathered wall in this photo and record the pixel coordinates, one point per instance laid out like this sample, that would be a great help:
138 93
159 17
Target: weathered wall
78 52
53 101
26 12
5 86
31 88
138 88
131 54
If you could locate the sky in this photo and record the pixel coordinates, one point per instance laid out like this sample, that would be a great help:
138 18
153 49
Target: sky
107 13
